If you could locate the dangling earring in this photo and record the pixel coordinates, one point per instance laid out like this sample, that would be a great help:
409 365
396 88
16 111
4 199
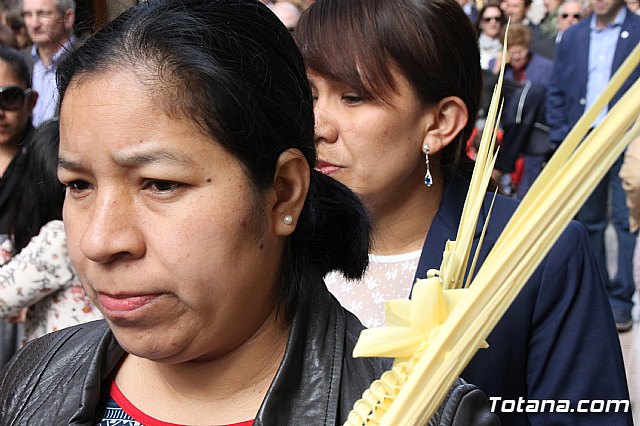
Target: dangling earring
427 177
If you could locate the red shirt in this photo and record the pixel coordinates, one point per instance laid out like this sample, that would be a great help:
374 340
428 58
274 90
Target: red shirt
137 415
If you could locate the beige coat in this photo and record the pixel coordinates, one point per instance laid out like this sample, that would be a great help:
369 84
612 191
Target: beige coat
630 175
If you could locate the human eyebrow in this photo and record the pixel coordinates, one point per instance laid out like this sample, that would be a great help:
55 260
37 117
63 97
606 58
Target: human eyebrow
153 157
66 164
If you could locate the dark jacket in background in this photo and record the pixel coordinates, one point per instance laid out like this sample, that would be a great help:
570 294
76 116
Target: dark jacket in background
558 339
524 124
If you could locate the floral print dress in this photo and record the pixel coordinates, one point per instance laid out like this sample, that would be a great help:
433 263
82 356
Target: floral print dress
42 279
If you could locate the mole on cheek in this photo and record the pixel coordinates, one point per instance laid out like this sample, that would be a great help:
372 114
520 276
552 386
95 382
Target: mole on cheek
208 179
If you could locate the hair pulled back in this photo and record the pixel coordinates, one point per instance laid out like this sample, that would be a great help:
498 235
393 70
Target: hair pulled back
431 42
232 68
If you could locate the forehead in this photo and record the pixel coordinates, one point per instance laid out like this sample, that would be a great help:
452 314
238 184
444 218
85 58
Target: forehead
93 103
571 7
38 4
109 118
491 11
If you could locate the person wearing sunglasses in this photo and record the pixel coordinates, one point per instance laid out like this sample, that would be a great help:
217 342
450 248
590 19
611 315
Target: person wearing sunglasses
489 26
16 103
569 14
17 100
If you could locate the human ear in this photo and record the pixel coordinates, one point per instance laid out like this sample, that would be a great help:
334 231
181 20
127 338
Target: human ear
31 101
450 116
291 184
69 18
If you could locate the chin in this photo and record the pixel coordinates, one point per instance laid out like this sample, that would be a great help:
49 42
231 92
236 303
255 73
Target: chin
156 347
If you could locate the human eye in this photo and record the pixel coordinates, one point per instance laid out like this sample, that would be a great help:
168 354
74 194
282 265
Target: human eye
352 98
45 14
162 187
77 188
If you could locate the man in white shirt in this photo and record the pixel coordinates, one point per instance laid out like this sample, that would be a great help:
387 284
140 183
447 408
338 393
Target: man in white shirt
49 24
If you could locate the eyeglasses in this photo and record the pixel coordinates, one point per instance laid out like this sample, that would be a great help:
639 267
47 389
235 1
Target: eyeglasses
573 15
12 97
39 14
491 18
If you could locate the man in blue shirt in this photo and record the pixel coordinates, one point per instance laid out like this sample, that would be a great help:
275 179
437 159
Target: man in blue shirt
49 24
586 58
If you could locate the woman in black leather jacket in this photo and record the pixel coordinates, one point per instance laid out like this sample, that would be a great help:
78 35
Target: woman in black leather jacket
199 228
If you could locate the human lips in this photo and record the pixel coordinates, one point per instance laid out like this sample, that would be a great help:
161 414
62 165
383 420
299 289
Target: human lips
124 303
326 168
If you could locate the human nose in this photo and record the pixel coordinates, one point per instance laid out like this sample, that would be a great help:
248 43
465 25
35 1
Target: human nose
327 126
112 232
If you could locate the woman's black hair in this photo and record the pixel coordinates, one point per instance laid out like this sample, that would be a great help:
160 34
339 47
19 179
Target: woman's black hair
17 63
38 196
431 42
232 68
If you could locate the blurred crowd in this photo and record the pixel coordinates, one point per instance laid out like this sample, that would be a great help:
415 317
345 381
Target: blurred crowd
555 69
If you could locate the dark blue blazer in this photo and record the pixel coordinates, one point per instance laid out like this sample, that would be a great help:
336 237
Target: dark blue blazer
567 91
558 339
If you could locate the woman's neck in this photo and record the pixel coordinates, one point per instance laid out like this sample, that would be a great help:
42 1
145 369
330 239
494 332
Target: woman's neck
402 224
225 390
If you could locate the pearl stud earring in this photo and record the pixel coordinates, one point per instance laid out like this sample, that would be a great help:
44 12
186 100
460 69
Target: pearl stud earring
287 219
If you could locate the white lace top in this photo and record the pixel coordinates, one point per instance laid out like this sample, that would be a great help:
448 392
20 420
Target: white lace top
388 277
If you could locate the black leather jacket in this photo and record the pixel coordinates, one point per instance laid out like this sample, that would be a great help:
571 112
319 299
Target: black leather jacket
63 378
